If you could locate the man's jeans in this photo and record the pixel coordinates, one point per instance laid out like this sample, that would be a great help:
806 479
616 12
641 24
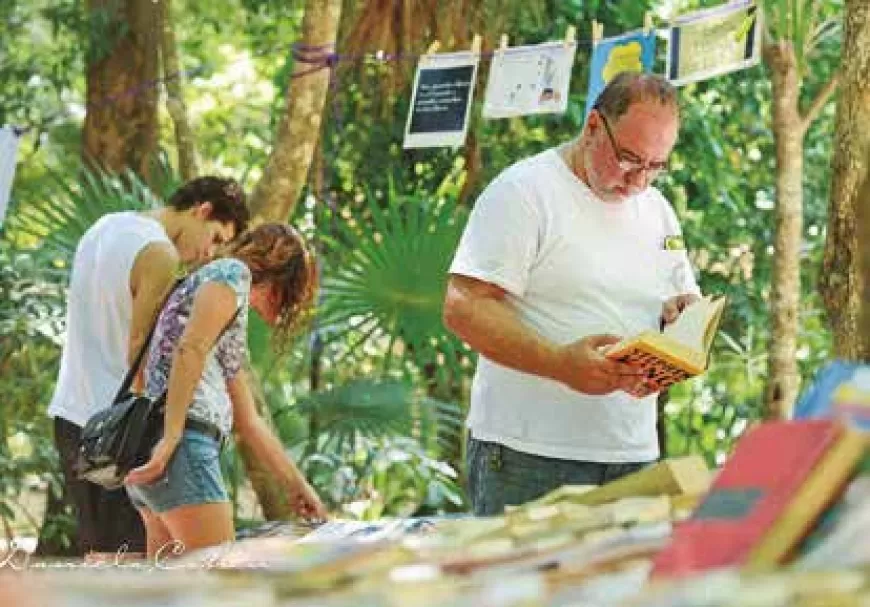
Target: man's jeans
498 475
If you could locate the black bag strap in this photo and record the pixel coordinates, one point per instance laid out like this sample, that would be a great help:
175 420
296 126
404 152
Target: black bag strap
134 368
131 373
216 341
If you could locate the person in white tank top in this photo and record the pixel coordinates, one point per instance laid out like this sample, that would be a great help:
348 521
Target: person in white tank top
122 269
563 254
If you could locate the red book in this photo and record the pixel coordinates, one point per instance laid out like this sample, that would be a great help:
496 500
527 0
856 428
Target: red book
768 467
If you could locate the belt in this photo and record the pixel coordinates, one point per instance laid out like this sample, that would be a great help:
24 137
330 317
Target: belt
210 430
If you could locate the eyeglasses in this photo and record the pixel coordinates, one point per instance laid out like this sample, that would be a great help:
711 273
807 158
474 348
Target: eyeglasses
628 162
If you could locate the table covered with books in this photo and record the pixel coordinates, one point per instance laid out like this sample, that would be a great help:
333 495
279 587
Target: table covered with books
784 522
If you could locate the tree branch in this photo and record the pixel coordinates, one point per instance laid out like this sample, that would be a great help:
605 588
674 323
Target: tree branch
299 130
819 102
173 80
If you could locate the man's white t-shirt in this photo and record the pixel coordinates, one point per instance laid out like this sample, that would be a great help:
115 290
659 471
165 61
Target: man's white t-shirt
99 313
573 265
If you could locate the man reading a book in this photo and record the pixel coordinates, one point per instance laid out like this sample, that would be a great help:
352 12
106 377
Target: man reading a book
566 253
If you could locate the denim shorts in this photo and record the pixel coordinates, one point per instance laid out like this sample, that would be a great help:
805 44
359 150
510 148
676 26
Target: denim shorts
192 477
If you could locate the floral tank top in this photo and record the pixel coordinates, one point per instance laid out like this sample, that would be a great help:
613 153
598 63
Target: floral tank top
211 401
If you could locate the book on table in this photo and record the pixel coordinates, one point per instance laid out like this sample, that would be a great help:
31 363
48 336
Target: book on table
679 351
687 475
768 496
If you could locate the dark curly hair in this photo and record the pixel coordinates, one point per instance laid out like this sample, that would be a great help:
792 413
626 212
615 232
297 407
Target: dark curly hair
276 253
227 198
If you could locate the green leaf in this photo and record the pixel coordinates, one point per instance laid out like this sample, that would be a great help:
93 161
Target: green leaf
385 275
373 409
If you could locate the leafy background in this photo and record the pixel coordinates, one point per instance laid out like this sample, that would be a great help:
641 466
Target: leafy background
371 401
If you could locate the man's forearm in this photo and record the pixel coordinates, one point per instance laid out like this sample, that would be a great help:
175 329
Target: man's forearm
492 328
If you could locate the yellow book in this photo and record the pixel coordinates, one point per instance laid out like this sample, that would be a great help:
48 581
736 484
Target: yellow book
687 475
680 351
826 481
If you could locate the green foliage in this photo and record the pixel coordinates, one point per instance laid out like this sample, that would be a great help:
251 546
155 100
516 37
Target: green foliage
375 444
389 476
367 409
386 275
30 314
806 24
41 59
61 218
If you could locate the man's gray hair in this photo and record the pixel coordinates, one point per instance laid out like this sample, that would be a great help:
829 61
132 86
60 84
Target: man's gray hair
627 88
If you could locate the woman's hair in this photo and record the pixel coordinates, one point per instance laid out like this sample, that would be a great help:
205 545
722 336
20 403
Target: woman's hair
276 253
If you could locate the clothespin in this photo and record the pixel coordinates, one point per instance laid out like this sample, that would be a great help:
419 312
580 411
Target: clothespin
433 48
647 23
476 43
503 43
741 34
570 35
597 32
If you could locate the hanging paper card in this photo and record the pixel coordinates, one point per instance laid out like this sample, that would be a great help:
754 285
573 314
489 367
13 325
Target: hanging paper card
8 158
529 80
441 101
713 42
631 52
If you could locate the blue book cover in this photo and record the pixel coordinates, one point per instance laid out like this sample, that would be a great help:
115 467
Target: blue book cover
840 390
631 52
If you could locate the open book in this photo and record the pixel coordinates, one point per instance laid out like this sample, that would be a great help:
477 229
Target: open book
678 352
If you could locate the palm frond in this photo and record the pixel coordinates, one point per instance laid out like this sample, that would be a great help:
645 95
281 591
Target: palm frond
385 277
372 409
71 206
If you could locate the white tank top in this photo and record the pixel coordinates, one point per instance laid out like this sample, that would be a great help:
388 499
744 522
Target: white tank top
99 312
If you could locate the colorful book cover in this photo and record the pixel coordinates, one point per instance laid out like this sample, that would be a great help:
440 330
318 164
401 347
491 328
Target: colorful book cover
630 52
680 351
441 100
840 390
526 80
843 525
768 468
713 42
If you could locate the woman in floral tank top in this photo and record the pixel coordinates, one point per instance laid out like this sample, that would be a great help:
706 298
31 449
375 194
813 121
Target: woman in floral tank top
196 354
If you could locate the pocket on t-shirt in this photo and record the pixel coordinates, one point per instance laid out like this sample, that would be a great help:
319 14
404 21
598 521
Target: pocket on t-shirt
673 272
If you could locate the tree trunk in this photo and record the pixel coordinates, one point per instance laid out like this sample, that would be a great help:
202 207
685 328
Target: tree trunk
287 168
783 378
841 275
174 80
121 119
271 495
863 213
